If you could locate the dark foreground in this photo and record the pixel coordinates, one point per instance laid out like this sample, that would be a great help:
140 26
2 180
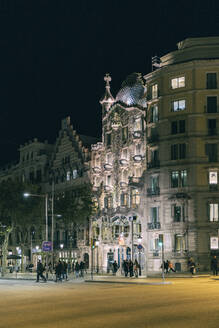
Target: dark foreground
185 303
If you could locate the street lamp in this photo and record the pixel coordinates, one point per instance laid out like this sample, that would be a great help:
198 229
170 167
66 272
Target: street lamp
161 244
97 244
139 253
45 196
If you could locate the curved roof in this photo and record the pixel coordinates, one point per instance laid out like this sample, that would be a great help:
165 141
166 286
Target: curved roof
133 91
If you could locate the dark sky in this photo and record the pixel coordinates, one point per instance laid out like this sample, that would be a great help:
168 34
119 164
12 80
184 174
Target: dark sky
54 55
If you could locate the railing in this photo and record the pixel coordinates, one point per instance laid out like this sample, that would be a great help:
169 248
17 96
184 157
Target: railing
153 191
213 187
209 109
154 225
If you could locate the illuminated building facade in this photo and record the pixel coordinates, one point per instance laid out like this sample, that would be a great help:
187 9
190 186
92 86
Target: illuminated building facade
55 167
155 173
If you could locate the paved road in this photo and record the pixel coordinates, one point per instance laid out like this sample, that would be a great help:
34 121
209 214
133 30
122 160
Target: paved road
185 303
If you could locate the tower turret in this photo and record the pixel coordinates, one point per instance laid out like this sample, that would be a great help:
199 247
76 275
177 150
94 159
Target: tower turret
107 100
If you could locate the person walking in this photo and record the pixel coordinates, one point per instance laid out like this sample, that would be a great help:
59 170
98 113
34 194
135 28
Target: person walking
130 265
58 271
170 266
64 271
81 268
40 269
125 267
136 267
214 266
115 268
77 269
191 265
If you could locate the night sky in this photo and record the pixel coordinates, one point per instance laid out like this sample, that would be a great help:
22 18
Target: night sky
54 55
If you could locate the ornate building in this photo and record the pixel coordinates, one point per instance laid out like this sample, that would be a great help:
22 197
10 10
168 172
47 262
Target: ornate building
118 168
155 173
56 169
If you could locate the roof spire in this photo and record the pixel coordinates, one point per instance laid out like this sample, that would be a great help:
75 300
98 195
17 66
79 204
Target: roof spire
107 98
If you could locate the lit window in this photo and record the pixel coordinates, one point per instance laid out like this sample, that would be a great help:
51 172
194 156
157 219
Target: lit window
154 243
109 158
178 213
178 179
213 242
213 177
154 90
213 212
135 198
154 214
74 174
68 176
179 243
124 199
178 105
178 82
138 125
154 114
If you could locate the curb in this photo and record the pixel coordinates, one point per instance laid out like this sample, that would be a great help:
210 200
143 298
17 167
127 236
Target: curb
129 282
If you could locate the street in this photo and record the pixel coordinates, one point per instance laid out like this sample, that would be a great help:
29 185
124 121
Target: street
187 302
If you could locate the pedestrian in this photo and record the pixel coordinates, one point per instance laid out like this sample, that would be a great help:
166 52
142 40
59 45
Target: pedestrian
170 266
130 265
125 267
40 269
115 268
69 267
58 271
166 266
64 270
136 268
81 268
77 269
214 266
191 265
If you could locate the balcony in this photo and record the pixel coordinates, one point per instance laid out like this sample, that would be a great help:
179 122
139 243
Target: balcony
135 181
153 191
96 169
213 187
123 185
137 158
137 134
154 226
108 167
153 164
107 188
123 162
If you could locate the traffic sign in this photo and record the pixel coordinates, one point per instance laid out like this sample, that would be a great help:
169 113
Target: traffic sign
47 246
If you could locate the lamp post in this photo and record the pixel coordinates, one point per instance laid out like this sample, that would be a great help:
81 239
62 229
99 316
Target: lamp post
139 253
97 244
45 196
161 244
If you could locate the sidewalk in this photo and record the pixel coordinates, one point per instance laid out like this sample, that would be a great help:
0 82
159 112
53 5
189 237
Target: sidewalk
151 279
109 278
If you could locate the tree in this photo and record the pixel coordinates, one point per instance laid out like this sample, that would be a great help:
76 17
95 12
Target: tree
75 206
14 211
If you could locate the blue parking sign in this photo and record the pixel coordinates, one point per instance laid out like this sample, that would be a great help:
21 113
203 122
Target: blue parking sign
47 246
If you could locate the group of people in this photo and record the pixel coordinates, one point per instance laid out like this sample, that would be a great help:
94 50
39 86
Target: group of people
61 270
168 266
128 267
